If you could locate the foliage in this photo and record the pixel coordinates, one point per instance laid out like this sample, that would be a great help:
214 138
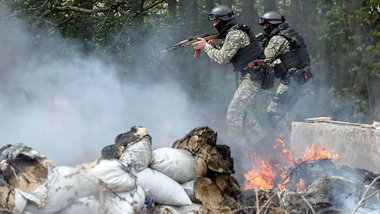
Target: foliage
343 39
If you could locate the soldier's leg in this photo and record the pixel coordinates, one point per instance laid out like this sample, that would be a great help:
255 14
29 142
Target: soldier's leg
286 97
274 111
243 97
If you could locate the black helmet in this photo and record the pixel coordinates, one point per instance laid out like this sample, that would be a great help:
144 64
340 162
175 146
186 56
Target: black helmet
271 17
221 12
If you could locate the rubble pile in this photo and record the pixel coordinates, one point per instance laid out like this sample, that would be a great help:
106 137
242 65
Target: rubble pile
325 189
192 176
129 177
216 189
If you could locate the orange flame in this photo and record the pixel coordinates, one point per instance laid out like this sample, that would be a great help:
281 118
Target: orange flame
316 153
263 175
374 124
301 185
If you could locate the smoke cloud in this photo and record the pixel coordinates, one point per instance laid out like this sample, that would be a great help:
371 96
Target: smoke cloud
68 106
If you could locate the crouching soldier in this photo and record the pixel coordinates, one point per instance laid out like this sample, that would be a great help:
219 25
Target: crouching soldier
285 51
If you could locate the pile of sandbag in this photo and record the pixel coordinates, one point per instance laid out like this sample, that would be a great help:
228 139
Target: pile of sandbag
192 176
166 175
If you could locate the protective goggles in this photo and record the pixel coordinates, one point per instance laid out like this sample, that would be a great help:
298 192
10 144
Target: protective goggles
261 21
212 17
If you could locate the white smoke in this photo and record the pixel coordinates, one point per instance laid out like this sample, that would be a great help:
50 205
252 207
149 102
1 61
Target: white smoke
68 106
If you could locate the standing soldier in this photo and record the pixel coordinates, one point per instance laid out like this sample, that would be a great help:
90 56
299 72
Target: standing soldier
285 51
239 48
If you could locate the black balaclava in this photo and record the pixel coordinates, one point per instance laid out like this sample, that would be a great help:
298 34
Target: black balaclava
270 28
223 26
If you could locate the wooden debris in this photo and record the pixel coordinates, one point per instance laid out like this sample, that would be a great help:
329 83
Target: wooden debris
202 141
214 187
318 119
7 198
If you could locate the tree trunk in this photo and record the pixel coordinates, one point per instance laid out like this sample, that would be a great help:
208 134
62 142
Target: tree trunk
172 9
209 5
249 15
137 38
270 5
227 2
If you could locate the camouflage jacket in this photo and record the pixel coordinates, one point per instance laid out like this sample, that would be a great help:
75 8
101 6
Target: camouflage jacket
277 46
235 39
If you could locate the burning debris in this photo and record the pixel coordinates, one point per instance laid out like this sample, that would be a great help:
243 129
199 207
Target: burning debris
315 183
193 176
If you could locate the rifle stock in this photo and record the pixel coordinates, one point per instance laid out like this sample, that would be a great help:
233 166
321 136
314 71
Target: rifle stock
190 41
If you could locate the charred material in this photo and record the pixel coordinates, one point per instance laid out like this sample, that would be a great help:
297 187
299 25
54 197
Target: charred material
327 189
122 141
20 167
218 191
309 171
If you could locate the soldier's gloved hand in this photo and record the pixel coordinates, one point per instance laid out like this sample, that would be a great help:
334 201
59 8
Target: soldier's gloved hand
200 44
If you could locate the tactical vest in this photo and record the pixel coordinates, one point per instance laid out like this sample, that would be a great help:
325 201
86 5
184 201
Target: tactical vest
297 57
248 53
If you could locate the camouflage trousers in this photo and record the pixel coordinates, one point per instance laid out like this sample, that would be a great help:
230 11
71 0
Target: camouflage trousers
243 98
287 95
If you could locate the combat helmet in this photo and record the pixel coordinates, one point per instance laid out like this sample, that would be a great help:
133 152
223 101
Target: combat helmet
271 17
221 12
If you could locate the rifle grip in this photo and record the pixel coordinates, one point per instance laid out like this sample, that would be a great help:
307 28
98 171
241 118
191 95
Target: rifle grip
197 53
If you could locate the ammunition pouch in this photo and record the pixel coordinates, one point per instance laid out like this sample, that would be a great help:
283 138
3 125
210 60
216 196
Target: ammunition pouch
279 70
268 81
256 73
301 75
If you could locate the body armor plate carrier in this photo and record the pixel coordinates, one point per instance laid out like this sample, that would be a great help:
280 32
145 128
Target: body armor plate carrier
249 53
297 57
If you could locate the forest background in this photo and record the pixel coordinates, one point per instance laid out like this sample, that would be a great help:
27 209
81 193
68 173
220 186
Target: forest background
342 36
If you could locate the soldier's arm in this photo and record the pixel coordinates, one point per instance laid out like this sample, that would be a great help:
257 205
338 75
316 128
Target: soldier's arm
234 41
277 45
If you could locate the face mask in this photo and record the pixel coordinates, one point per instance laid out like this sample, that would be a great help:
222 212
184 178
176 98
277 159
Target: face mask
219 27
223 26
268 29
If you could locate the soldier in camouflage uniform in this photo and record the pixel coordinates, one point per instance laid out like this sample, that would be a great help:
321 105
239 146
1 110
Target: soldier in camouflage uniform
285 51
239 48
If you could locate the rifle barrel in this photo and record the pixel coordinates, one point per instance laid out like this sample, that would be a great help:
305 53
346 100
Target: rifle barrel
190 41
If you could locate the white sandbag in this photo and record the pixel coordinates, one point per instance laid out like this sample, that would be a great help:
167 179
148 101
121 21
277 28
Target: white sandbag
139 155
64 186
113 203
190 209
189 189
39 194
20 201
125 202
178 164
161 188
85 205
114 174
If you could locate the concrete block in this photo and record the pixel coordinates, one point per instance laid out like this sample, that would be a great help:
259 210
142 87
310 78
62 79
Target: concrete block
358 145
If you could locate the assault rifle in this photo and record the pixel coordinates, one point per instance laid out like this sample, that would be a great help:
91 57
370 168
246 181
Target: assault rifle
190 41
260 37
